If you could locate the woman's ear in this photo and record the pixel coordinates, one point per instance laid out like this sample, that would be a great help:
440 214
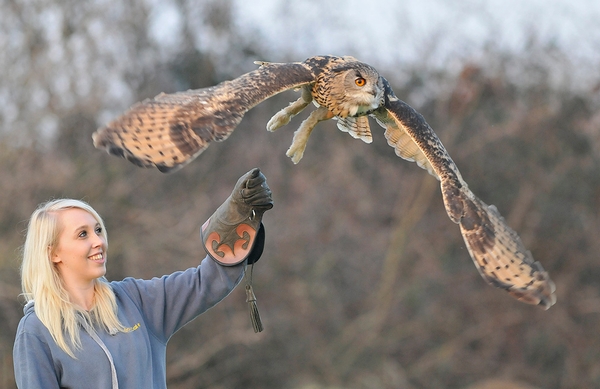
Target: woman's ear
53 257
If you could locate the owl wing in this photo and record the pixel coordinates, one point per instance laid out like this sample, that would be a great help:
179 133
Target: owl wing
497 251
404 146
170 130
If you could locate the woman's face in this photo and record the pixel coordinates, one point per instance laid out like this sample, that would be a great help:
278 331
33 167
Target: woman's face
81 252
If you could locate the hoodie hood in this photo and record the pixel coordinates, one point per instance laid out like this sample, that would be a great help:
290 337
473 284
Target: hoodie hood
28 307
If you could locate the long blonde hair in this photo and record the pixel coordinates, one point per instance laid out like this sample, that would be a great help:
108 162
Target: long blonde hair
41 282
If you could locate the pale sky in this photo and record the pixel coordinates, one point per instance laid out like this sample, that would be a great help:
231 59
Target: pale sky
407 30
395 34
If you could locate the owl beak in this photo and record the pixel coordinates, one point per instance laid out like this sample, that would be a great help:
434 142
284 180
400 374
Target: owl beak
377 94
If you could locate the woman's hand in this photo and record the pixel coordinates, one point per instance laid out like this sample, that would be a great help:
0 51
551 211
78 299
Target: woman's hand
252 189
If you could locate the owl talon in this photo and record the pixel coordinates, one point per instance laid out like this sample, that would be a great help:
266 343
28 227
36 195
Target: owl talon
296 151
284 116
278 120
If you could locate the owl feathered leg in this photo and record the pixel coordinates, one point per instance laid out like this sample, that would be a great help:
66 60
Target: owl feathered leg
284 116
296 150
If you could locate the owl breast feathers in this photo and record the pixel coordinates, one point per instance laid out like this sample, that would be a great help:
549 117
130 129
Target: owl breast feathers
171 130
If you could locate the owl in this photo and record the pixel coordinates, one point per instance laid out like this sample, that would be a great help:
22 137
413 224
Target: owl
171 130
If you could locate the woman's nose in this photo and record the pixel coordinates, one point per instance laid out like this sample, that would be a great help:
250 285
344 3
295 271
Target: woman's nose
98 241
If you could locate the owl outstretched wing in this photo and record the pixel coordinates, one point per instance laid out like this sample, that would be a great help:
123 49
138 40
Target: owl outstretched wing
170 130
496 250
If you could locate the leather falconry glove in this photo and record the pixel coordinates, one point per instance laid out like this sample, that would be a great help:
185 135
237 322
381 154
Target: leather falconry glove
235 231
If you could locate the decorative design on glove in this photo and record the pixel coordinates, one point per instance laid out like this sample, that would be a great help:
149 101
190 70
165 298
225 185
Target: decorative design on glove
231 248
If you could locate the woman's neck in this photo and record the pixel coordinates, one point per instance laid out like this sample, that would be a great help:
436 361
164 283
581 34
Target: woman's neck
82 296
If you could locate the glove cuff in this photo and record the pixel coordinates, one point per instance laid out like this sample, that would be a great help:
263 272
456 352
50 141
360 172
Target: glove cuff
258 247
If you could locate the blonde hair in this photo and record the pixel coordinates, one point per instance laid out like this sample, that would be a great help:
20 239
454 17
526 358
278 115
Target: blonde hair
41 281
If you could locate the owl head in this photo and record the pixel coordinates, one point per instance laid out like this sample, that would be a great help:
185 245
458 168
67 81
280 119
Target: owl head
349 88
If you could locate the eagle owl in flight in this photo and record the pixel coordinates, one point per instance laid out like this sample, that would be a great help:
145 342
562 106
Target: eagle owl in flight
170 130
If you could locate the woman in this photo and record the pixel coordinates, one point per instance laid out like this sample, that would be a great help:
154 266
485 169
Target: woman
79 330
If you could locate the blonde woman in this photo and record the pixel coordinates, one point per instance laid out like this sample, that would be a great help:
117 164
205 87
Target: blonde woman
79 330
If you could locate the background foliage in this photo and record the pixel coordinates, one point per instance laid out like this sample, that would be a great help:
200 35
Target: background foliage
365 282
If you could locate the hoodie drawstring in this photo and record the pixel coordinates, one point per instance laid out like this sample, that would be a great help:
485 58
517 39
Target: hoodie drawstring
90 330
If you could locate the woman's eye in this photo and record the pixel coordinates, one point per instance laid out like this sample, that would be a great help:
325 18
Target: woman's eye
98 230
83 234
360 81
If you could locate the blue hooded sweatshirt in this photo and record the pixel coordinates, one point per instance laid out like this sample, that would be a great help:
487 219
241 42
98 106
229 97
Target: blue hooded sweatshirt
151 310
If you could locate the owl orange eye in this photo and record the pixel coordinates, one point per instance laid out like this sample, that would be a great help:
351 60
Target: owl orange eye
360 81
